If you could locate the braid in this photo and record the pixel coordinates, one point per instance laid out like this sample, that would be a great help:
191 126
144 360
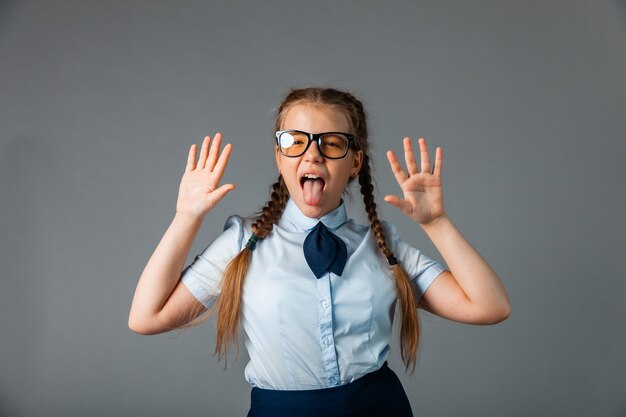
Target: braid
272 211
228 305
367 190
409 328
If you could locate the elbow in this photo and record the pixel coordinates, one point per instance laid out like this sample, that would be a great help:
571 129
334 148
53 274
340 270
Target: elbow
134 326
140 326
148 324
491 315
506 312
498 315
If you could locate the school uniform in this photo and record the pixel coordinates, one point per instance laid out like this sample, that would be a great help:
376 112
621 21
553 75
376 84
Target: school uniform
322 341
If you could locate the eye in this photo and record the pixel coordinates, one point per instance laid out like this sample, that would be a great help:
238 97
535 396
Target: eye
299 138
289 139
286 140
334 141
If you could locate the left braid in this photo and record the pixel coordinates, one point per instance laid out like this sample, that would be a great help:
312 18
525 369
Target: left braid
410 328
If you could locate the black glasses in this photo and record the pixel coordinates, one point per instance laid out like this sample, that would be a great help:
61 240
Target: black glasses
332 145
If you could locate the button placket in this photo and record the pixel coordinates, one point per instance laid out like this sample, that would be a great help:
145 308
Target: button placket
327 342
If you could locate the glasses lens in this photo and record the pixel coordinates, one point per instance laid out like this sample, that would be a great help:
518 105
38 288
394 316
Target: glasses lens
334 145
293 143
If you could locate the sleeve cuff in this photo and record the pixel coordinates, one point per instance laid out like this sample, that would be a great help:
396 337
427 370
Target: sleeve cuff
428 277
193 284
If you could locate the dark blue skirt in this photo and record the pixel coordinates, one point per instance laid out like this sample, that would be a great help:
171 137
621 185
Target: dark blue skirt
377 394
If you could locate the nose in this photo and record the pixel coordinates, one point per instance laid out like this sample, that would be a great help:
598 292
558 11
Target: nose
313 153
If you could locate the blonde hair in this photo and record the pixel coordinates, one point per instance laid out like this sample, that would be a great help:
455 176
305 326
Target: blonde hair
228 304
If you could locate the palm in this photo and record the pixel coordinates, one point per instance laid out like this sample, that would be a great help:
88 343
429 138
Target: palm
199 188
423 195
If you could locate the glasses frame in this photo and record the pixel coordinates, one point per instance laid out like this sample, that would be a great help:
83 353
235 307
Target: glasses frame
316 137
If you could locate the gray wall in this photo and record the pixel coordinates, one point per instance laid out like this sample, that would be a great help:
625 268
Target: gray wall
100 101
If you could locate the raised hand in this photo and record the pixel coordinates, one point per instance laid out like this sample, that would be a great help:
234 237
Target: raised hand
199 188
423 195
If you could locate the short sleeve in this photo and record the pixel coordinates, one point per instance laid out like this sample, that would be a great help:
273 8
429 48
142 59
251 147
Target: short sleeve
421 269
203 276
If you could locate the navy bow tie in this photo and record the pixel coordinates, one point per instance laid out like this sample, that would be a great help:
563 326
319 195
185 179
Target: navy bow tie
324 251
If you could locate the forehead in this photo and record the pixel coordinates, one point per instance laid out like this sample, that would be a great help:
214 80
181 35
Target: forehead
314 118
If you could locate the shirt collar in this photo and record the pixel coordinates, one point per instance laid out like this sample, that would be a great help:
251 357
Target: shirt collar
293 219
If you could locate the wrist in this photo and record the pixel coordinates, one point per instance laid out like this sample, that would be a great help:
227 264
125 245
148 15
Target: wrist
436 223
189 219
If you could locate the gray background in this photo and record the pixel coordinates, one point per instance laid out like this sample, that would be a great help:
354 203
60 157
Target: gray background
100 101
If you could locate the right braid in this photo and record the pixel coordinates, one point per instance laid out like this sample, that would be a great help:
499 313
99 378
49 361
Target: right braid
272 211
409 328
228 305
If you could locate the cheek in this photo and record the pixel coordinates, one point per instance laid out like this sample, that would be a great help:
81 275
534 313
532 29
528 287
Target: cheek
289 171
346 171
283 163
342 177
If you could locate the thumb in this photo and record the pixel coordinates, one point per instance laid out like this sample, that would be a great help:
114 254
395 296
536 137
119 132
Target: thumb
400 203
221 192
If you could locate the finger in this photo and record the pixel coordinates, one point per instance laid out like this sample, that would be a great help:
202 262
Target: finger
437 169
397 170
220 166
409 157
214 152
400 203
221 192
204 151
425 159
191 158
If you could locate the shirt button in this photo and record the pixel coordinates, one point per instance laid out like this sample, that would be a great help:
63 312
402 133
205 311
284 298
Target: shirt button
325 303
326 341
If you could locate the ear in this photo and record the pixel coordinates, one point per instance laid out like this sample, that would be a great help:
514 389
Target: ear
278 159
357 162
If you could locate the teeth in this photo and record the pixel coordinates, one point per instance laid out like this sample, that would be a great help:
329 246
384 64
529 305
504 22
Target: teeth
313 176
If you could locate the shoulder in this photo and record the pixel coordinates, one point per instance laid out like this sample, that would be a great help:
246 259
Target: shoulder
238 229
235 221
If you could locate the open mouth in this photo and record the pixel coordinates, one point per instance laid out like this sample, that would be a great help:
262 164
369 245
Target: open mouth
312 188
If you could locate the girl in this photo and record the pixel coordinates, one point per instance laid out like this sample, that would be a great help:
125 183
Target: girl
314 291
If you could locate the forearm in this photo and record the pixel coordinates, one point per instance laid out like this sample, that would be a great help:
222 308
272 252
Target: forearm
474 275
162 272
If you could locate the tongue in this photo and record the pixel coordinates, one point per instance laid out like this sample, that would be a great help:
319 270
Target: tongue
313 191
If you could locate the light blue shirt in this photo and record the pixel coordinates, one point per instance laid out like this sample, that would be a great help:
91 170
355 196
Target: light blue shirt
302 332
